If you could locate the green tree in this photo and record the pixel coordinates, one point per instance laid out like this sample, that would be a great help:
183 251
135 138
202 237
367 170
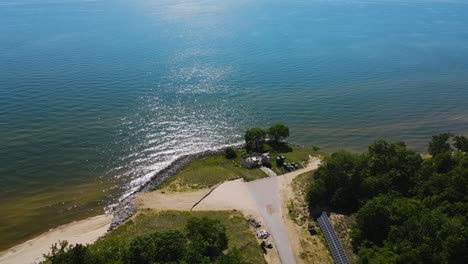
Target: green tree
461 143
70 254
230 153
372 221
409 210
209 234
159 247
439 144
255 138
278 132
443 162
110 250
196 251
393 165
377 255
429 236
376 218
337 182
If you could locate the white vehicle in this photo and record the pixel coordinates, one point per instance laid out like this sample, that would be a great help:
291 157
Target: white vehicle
262 234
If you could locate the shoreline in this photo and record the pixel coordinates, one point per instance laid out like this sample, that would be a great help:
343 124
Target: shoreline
125 209
77 232
88 230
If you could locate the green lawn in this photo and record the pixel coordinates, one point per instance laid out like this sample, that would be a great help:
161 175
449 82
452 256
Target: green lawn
299 155
147 221
209 171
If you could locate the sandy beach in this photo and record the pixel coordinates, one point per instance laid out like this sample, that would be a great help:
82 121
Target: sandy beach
83 232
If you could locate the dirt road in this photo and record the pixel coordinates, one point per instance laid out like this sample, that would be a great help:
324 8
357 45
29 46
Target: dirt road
266 193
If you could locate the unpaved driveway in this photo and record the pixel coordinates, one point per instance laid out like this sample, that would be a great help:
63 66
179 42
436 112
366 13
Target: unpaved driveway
265 192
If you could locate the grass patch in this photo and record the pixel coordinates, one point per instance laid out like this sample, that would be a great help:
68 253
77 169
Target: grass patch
209 171
292 211
299 155
298 208
147 221
302 182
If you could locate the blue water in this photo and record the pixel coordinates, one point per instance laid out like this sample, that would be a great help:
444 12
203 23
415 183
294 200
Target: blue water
95 96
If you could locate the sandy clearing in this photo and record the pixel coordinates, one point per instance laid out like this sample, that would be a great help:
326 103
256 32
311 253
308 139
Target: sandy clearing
228 196
158 200
84 232
237 194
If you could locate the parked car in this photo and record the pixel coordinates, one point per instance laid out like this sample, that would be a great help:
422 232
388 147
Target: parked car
254 222
268 243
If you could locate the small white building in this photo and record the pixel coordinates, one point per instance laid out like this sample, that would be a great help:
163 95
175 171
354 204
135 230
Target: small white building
255 160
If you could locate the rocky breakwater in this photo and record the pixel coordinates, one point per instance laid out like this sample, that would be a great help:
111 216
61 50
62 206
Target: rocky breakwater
126 207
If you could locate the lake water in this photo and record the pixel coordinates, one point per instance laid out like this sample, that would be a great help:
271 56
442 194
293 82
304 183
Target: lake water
95 96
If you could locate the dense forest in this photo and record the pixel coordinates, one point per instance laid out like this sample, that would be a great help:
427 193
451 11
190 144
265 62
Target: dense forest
408 209
203 242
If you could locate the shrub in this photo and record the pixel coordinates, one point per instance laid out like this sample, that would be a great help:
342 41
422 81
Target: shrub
230 153
209 235
74 254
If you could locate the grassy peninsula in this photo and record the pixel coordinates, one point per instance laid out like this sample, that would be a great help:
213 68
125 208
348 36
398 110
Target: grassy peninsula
209 171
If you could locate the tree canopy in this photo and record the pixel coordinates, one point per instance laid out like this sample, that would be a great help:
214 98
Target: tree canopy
461 143
278 132
439 144
164 247
210 234
407 210
204 241
255 138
